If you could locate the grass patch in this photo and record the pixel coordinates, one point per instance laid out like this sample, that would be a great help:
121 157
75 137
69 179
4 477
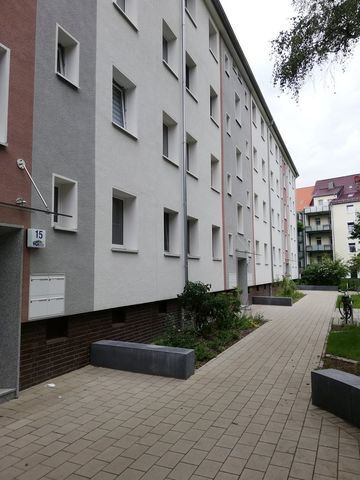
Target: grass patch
210 341
355 301
345 342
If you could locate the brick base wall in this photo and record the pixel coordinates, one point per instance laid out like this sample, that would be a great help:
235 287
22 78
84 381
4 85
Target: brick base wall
260 291
42 358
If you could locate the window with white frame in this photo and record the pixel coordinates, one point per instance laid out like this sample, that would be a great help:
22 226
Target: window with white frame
279 256
255 159
263 169
240 218
67 56
226 65
350 227
65 203
265 212
190 74
257 252
128 9
216 242
277 187
190 8
276 153
213 39
123 102
256 205
123 220
169 47
352 248
191 163
266 254
262 128
192 237
239 164
4 92
228 184
230 245
253 113
169 137
214 105
228 124
171 232
237 109
215 173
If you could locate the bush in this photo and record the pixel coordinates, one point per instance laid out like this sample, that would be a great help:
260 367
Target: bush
326 272
350 284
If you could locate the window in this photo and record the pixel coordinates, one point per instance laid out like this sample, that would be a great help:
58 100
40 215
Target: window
350 209
169 134
266 254
228 124
171 234
317 221
274 256
65 193
226 61
240 219
247 149
214 108
230 245
190 74
276 153
237 109
123 220
350 227
277 187
249 252
278 221
257 252
280 256
253 113
239 164
123 102
256 205
272 180
216 242
4 91
215 173
190 8
228 184
318 241
163 307
352 248
67 56
262 128
271 142
255 159
192 237
265 212
246 97
56 328
248 199
191 165
168 47
128 10
121 4
213 40
273 218
263 169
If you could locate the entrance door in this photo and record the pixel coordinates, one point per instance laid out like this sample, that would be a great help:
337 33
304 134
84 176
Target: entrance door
11 259
242 279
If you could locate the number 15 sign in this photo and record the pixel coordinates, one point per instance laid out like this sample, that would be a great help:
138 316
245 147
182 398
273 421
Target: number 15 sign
36 238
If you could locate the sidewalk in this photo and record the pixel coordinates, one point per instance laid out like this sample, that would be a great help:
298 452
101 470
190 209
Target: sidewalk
245 415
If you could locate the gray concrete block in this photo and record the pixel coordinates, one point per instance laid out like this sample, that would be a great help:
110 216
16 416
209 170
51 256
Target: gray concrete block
264 300
143 358
337 392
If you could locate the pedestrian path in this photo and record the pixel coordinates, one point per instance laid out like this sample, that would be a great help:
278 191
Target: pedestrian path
245 415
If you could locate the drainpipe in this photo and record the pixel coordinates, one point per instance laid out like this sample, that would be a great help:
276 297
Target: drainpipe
252 188
183 132
225 257
270 215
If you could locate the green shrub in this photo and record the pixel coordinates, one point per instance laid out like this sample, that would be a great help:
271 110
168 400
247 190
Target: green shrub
350 284
326 272
203 352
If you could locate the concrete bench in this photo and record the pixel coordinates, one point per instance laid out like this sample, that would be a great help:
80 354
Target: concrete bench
281 301
143 358
337 392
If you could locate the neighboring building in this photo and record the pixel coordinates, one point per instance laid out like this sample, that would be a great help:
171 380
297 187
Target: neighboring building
160 163
328 219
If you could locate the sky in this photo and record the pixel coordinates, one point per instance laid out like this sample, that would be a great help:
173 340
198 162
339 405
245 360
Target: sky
321 131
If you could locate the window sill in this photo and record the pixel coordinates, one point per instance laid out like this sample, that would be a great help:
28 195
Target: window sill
239 178
230 194
214 56
264 180
65 229
190 17
192 95
238 122
246 107
228 133
172 162
263 138
195 177
3 143
171 255
193 257
254 124
215 190
123 14
124 250
241 233
227 73
214 121
122 129
170 69
61 77
217 259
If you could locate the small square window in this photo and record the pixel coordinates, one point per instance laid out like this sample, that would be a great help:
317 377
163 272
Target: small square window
65 199
169 54
216 242
4 91
215 173
67 56
213 39
124 220
171 232
123 102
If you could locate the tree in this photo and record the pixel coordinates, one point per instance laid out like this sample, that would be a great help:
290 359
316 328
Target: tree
326 272
355 235
322 31
354 264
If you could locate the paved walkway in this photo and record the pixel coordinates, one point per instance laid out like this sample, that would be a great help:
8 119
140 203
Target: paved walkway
245 415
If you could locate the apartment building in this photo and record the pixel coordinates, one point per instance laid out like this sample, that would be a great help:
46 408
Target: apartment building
158 161
328 212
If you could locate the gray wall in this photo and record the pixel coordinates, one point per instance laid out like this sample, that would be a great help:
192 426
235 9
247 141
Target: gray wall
64 143
11 247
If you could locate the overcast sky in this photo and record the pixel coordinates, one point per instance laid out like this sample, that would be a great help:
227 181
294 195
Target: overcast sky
322 130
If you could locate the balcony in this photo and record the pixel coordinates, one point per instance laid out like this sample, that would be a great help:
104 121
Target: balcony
319 248
317 210
318 228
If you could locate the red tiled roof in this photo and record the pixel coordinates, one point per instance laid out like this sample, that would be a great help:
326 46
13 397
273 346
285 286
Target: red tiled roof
303 198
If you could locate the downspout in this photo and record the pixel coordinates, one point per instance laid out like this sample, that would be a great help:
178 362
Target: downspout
252 188
183 127
222 164
270 212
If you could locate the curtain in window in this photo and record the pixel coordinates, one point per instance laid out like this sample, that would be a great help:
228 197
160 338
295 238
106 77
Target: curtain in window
118 105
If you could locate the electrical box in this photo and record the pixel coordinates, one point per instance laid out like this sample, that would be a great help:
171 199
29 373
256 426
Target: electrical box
47 296
36 238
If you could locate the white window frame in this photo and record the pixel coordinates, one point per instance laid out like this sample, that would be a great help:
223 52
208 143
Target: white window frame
228 124
4 92
130 226
120 81
71 56
229 184
65 201
215 174
169 37
172 140
173 240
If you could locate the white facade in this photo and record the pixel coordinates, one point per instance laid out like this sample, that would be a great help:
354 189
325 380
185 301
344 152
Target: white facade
343 217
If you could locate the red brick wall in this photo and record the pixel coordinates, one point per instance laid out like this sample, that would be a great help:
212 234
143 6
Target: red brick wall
259 291
42 359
